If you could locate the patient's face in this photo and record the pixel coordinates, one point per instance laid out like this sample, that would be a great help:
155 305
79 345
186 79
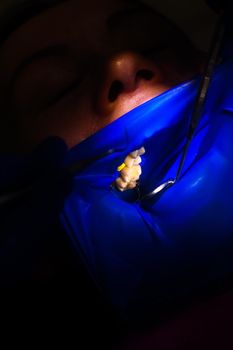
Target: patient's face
75 68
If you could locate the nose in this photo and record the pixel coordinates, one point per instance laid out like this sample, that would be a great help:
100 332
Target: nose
128 79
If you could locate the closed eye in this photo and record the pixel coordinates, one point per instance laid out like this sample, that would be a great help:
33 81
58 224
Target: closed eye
63 93
44 82
51 51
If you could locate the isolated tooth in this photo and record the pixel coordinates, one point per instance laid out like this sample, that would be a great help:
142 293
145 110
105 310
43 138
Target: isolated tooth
131 174
129 161
130 170
132 185
138 152
132 160
139 170
135 173
125 177
137 160
141 151
121 185
134 154
126 174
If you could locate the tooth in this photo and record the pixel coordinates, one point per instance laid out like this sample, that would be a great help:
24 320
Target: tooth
138 152
131 171
134 154
121 185
138 160
139 170
129 161
129 174
125 173
132 185
125 178
141 151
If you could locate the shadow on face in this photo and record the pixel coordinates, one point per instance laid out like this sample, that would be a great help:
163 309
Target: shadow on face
74 68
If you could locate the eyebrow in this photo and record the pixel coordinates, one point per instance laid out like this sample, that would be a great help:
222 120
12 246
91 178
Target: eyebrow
55 50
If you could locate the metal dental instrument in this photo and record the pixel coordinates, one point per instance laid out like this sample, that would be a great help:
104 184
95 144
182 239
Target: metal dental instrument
200 100
201 97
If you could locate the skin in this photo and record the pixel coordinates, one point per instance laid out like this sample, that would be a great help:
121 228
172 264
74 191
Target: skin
112 57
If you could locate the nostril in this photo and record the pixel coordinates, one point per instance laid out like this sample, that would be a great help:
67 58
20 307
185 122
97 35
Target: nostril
115 90
117 86
145 74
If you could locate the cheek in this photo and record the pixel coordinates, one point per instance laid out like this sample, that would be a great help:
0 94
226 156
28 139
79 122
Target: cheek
72 120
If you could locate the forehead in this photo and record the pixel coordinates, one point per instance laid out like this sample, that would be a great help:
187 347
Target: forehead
28 9
51 17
